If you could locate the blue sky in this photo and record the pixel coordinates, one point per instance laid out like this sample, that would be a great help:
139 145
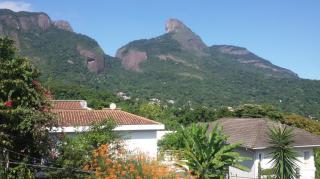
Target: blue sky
285 32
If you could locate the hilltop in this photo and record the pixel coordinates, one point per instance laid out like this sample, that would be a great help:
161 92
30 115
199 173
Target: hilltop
177 67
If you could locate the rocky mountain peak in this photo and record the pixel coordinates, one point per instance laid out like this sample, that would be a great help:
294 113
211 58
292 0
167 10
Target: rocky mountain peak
188 39
64 25
24 20
175 25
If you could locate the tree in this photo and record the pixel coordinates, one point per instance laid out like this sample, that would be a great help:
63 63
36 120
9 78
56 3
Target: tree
208 155
158 113
172 141
284 158
75 151
200 114
24 103
258 111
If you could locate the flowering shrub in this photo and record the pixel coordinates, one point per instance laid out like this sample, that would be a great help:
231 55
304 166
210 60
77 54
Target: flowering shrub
8 104
113 164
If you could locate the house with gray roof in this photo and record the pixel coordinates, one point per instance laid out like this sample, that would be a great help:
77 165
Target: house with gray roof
253 135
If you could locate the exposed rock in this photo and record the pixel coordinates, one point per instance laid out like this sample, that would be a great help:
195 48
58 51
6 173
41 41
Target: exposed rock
188 39
44 21
94 60
64 25
231 50
26 22
131 59
10 21
261 65
120 52
189 75
178 60
244 61
175 25
70 62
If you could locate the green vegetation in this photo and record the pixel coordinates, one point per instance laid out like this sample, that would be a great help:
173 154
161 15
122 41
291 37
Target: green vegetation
215 80
174 141
284 158
24 115
75 151
203 88
207 156
212 80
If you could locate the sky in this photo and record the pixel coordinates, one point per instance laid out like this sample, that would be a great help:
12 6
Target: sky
285 32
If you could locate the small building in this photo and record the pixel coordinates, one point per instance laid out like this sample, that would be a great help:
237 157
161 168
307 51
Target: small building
253 135
139 133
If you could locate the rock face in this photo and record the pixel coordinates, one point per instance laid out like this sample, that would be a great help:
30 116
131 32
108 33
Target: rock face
231 50
64 25
188 39
26 22
94 60
175 25
131 59
178 33
44 21
18 24
244 56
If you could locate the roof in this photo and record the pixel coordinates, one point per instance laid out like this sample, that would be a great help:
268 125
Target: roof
74 114
253 133
69 104
74 118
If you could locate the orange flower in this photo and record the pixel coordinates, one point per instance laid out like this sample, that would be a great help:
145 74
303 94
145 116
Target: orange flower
123 173
115 166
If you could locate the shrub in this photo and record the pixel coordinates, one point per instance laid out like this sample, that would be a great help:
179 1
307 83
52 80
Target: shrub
115 163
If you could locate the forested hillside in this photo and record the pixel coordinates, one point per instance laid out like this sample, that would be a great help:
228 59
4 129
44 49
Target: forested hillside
177 68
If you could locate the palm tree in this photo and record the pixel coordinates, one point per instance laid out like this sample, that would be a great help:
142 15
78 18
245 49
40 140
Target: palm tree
284 158
207 155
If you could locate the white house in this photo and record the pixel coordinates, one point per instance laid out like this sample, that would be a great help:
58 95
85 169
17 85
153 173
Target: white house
139 133
253 135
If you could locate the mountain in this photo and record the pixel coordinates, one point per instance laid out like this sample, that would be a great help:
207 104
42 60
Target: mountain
183 46
52 45
179 66
176 67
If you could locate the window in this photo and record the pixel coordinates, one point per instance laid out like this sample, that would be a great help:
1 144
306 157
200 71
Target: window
306 155
260 157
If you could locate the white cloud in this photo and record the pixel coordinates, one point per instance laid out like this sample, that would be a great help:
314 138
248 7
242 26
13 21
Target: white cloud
15 6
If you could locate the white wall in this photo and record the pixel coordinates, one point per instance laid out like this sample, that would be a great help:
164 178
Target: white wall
160 134
137 142
235 173
307 167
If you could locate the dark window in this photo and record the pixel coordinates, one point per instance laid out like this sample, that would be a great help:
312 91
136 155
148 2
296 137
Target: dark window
260 156
306 155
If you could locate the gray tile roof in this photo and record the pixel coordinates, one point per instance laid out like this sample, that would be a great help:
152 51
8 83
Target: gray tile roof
253 133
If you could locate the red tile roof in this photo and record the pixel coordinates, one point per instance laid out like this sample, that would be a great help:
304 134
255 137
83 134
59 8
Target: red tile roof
69 118
69 104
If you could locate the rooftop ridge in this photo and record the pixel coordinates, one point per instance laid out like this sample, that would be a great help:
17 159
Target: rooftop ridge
78 117
140 117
